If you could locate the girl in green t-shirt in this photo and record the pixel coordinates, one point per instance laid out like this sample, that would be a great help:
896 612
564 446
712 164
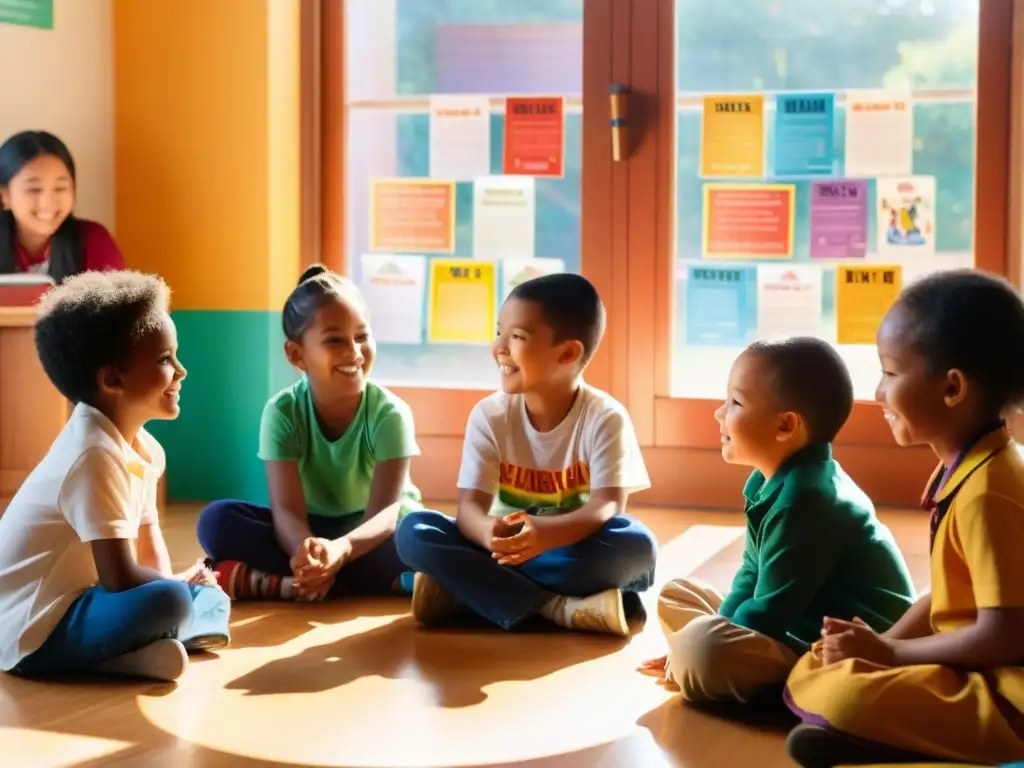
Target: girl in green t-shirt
337 449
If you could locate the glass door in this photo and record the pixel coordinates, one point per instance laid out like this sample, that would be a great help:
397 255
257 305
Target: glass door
465 141
815 157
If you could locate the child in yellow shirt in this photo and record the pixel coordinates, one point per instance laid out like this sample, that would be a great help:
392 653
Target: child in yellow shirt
947 681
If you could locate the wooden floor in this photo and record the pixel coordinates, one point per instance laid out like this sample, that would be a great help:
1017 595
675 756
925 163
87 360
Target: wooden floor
357 684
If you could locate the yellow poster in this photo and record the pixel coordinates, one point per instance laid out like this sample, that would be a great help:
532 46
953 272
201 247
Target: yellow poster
463 303
732 137
863 295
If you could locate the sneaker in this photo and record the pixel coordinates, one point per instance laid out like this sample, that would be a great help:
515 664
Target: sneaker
161 660
602 612
241 582
430 601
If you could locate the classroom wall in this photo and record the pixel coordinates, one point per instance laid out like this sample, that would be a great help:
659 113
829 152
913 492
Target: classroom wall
207 174
61 80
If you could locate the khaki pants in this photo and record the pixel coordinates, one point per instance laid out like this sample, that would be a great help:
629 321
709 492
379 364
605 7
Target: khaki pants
709 657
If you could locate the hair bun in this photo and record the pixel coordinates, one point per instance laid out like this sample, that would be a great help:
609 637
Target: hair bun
311 272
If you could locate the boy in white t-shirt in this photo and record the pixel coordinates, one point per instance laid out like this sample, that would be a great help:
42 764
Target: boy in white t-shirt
547 466
85 577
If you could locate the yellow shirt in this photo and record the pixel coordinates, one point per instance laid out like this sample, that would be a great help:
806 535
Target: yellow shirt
978 557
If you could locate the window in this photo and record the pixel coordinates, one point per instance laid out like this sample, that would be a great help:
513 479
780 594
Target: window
398 54
773 48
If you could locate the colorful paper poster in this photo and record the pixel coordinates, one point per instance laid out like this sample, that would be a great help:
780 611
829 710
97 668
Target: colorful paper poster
534 136
732 137
788 300
805 135
879 133
504 217
863 295
721 306
906 216
839 219
394 288
516 271
463 309
460 137
749 221
412 215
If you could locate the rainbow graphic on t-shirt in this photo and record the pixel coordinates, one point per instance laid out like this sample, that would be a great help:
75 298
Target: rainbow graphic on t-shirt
544 491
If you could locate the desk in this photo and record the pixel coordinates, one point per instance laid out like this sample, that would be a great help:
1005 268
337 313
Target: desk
32 411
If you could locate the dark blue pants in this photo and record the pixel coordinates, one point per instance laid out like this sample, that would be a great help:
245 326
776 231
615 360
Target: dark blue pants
102 625
619 556
238 530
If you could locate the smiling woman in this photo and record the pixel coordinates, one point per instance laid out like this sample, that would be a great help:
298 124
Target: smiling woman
38 231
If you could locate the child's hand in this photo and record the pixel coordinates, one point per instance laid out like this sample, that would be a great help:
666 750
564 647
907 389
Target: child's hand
658 668
315 564
520 547
199 574
854 640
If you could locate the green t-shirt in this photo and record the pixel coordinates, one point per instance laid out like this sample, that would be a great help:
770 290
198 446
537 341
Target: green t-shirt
814 548
336 475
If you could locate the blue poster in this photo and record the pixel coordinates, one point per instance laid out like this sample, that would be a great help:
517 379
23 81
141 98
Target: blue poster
805 134
721 306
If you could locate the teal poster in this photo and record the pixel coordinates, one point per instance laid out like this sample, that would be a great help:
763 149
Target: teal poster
804 134
721 306
27 13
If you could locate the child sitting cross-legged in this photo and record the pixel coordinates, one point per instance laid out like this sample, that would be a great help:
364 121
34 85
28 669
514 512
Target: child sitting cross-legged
85 578
548 464
337 449
946 683
814 547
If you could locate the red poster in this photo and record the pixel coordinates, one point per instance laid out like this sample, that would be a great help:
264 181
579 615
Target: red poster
534 137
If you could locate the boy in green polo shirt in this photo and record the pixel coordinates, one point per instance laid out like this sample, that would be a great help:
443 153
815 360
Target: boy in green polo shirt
814 547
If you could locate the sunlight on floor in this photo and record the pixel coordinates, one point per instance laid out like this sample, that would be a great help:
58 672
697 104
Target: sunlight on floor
55 750
356 683
357 679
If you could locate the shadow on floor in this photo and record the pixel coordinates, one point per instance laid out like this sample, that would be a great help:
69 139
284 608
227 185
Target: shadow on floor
456 664
720 734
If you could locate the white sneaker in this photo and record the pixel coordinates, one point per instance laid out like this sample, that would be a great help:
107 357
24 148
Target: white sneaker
602 612
161 660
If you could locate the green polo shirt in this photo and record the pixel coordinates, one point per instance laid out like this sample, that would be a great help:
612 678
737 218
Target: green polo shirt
814 548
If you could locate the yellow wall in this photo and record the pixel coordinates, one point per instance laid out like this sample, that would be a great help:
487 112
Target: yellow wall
60 81
207 156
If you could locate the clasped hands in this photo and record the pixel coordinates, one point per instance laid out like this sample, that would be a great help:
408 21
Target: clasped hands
842 640
518 538
315 563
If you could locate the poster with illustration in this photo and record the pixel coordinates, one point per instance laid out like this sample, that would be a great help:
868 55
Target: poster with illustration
516 271
905 211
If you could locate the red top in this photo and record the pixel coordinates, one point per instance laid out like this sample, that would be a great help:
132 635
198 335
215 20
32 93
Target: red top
100 252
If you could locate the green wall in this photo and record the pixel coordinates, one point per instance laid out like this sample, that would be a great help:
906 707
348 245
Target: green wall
235 362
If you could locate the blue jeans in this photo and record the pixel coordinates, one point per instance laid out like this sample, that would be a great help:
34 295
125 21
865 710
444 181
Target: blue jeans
238 530
619 556
102 625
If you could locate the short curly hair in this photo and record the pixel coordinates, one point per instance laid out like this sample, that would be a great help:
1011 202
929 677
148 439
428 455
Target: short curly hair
93 320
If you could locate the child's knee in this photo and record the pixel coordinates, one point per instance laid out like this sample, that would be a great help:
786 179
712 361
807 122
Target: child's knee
417 534
167 605
210 524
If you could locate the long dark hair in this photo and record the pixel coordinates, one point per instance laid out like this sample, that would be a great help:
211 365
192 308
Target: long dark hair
66 253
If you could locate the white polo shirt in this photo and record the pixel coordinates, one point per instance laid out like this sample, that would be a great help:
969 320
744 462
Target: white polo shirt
91 485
